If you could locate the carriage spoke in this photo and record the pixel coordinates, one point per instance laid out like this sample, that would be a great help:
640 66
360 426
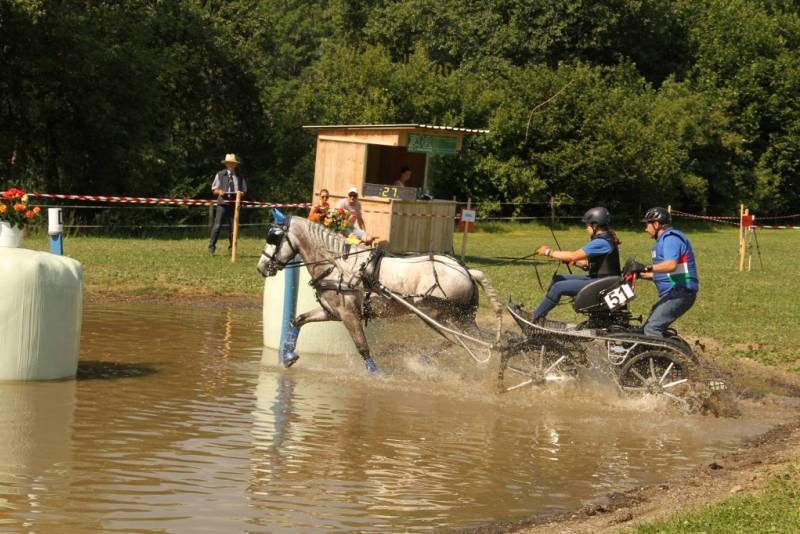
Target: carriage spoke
652 368
520 385
679 400
633 388
675 383
523 372
664 376
639 376
535 364
561 359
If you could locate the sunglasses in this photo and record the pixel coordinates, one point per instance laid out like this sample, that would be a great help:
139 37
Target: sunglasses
353 195
324 197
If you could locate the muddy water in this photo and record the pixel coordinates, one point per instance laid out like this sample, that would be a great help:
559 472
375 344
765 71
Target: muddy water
176 425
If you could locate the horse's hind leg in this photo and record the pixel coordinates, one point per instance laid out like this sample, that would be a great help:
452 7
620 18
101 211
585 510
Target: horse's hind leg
353 324
288 354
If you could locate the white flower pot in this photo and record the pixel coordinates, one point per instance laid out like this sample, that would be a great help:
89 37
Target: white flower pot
10 237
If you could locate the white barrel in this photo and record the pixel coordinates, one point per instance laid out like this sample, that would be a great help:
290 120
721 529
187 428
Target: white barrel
54 223
40 315
329 337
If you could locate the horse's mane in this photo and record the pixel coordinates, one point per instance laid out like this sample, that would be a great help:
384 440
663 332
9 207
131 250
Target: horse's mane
327 240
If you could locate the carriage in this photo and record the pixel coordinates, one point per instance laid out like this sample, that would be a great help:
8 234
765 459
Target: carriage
611 339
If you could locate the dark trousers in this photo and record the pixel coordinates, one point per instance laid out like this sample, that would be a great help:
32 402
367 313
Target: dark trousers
561 285
223 214
668 309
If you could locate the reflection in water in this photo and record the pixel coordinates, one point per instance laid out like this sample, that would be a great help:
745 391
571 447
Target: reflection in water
93 370
200 431
35 448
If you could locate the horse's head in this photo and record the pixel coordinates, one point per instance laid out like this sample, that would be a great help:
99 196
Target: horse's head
278 251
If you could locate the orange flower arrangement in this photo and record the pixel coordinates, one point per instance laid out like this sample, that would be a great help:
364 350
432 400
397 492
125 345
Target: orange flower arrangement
14 208
339 219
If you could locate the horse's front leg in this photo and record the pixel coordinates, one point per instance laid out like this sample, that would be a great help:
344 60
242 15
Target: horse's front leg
288 354
352 322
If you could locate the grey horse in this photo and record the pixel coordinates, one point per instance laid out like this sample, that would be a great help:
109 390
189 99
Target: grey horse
352 283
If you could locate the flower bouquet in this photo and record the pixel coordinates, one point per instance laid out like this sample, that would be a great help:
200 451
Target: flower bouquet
338 220
14 209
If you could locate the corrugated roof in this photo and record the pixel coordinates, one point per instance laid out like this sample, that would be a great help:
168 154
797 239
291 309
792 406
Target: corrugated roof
394 127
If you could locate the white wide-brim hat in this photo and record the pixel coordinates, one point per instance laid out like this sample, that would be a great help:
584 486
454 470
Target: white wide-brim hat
352 190
230 158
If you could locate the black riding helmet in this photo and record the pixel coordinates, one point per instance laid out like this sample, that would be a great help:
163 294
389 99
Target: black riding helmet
598 216
657 214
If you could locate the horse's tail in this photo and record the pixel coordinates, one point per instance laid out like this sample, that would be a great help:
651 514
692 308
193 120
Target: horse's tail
483 281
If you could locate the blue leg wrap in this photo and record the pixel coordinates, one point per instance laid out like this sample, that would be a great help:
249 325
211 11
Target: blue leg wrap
425 359
291 339
370 364
289 356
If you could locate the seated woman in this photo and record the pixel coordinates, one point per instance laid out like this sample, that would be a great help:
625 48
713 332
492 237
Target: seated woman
319 210
600 256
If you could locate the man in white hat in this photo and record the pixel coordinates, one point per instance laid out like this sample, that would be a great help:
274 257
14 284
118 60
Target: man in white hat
352 204
226 184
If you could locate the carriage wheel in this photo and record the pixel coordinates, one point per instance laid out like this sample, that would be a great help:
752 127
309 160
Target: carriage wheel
535 364
657 372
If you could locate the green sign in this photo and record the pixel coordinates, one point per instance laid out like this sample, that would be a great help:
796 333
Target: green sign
432 144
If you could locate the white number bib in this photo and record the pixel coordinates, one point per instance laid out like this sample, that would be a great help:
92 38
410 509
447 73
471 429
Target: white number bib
617 298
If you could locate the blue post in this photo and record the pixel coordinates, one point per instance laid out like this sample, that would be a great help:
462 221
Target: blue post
56 230
291 281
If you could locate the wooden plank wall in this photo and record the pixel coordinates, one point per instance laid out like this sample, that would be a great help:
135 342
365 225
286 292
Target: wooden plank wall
377 218
410 232
338 167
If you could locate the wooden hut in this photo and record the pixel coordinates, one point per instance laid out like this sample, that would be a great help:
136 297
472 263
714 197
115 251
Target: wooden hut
370 158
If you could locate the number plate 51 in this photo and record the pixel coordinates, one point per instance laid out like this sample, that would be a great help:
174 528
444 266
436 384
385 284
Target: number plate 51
617 298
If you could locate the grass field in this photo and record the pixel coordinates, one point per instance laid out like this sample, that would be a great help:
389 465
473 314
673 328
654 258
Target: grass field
773 510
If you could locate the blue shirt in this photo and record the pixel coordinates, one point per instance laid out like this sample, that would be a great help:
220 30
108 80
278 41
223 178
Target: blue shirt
673 245
597 247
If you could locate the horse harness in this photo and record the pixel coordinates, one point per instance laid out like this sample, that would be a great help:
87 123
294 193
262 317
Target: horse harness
366 277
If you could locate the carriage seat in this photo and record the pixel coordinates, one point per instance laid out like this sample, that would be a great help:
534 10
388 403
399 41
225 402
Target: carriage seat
590 298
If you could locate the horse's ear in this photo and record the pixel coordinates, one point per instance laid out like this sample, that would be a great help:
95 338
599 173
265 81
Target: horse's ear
278 216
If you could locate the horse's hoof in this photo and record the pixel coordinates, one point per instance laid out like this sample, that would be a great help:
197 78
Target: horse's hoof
289 358
370 365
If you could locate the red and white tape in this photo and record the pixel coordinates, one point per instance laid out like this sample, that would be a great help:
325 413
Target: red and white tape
714 218
772 227
208 202
168 201
411 214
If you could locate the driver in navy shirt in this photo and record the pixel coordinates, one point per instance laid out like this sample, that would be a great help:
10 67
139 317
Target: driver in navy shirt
600 257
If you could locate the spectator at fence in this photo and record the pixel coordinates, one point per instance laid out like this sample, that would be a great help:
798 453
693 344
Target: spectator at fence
226 184
674 271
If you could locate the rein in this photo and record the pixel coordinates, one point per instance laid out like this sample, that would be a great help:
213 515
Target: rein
321 262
